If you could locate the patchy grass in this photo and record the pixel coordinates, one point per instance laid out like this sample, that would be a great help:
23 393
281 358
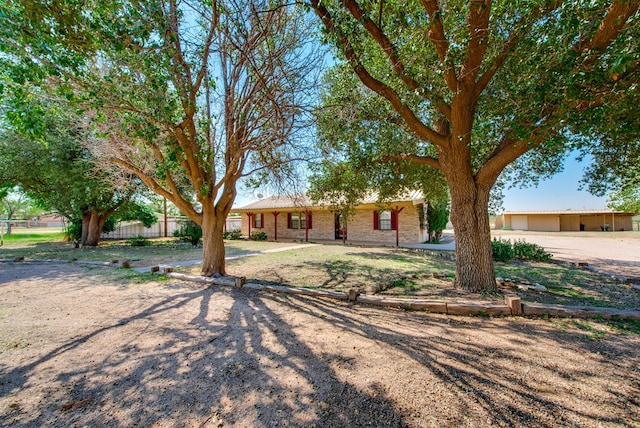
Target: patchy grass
398 272
569 285
161 251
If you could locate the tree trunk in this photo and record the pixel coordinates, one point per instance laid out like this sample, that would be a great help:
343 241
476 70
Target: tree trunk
470 218
213 251
93 229
84 232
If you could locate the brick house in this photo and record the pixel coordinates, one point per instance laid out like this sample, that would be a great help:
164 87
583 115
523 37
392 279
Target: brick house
294 217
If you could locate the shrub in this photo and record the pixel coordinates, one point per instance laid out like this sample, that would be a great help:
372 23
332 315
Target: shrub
502 250
138 241
523 250
189 232
258 236
232 234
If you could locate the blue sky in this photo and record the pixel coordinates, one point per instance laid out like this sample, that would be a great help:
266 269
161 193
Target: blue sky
558 193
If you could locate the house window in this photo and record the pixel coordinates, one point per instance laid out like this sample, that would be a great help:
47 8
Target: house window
298 220
258 221
384 220
295 221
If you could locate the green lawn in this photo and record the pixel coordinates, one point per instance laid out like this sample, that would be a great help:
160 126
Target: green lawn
32 235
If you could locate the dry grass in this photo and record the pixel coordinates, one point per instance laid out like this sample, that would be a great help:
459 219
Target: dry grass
400 272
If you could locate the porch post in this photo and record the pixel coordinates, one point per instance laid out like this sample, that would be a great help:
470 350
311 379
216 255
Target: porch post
397 214
275 224
250 215
613 222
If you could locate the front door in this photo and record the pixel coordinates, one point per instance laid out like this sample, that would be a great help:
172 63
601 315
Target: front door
341 228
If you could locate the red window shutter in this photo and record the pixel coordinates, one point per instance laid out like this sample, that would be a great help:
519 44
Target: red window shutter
261 220
253 220
376 220
394 220
288 220
309 224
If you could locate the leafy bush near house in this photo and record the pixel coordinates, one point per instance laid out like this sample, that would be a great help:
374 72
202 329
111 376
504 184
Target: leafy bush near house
138 241
502 250
437 217
523 250
189 232
232 234
258 236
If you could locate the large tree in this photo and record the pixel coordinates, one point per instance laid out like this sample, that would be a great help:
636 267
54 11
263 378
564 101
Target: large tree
189 96
481 84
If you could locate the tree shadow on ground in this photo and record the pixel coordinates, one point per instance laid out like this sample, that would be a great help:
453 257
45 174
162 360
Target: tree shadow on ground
495 379
242 363
219 356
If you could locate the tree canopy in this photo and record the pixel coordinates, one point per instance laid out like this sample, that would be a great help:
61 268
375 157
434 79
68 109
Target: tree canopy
44 150
481 85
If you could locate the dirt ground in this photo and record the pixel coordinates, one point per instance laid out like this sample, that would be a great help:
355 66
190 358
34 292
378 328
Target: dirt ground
78 348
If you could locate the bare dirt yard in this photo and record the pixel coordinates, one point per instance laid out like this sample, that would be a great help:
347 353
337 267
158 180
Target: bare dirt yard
91 347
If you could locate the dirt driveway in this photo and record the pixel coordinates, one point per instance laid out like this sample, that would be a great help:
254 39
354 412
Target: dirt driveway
78 348
618 252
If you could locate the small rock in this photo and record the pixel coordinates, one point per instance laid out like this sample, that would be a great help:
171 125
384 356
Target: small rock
539 287
522 287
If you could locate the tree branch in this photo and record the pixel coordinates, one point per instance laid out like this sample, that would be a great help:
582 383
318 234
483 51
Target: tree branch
439 40
413 122
421 160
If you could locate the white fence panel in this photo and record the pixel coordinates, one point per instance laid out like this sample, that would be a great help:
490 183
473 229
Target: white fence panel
132 229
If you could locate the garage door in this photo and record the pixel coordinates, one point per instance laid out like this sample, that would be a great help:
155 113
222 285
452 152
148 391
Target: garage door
519 222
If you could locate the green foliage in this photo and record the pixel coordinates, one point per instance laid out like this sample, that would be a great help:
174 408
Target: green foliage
502 250
61 173
437 217
523 250
138 241
627 197
189 232
258 236
136 211
73 230
232 234
362 148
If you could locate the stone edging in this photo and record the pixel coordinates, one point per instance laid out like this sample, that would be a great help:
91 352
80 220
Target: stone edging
512 305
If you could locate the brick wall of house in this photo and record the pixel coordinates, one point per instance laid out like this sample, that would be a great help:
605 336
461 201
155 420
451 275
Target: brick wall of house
359 229
322 227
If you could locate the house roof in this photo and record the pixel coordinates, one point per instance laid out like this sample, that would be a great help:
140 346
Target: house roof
302 201
567 212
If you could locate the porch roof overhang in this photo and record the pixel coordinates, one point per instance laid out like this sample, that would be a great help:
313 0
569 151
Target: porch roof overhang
302 202
569 212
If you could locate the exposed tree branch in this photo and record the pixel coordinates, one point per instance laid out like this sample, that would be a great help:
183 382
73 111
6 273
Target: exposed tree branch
439 40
